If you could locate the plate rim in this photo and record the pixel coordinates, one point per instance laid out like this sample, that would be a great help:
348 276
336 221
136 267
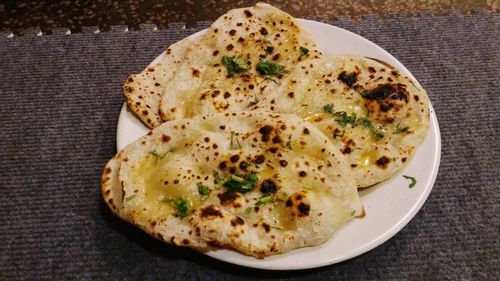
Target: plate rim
396 228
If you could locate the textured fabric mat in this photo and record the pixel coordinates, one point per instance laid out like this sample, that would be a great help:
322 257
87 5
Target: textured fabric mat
60 97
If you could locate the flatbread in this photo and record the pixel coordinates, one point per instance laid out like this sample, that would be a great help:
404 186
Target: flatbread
374 114
391 111
143 90
257 36
166 183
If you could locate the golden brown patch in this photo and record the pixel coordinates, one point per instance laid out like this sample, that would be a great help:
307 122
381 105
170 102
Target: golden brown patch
237 221
228 197
210 211
165 138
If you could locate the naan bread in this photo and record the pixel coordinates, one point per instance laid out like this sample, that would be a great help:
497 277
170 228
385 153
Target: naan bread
374 114
143 90
184 183
251 38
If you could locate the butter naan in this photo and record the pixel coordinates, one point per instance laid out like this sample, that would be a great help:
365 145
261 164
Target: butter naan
143 91
375 115
245 52
259 183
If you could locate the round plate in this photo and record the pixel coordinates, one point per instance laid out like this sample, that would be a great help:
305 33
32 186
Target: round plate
389 205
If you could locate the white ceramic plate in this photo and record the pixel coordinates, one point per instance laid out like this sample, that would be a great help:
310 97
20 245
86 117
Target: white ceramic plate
389 205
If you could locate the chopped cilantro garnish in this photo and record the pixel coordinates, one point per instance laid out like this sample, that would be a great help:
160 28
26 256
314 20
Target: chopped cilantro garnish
270 68
289 145
237 179
181 205
378 135
172 150
203 190
412 179
353 213
237 183
263 200
248 210
131 197
232 145
365 122
329 108
303 51
235 64
219 180
343 119
400 129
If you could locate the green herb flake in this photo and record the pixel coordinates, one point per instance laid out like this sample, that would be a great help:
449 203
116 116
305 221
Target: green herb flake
353 213
181 205
237 179
412 179
219 181
130 198
172 150
329 108
237 183
248 210
400 130
378 135
365 122
344 119
303 51
203 190
289 145
263 200
270 68
235 65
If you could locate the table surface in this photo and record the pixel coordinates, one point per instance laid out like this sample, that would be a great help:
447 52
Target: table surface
20 16
61 96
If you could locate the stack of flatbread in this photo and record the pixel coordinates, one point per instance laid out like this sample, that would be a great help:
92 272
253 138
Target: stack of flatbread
259 141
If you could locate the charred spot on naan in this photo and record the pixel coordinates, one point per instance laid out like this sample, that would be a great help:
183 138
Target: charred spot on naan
386 102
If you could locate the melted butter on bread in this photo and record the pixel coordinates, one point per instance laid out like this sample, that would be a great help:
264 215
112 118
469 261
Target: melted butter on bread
300 195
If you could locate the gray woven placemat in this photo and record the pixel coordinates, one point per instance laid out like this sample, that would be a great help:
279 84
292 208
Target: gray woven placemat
60 96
